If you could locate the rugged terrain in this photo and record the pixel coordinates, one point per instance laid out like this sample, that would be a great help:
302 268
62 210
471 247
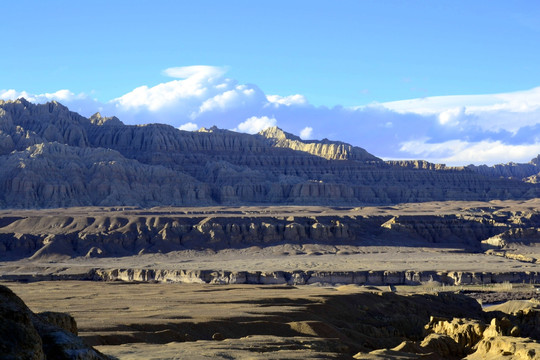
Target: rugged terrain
449 242
140 210
52 157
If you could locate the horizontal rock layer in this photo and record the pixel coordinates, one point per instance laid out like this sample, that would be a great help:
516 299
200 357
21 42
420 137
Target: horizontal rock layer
299 277
315 277
114 232
116 235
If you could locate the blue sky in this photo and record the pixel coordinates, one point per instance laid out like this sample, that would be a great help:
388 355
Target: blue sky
448 81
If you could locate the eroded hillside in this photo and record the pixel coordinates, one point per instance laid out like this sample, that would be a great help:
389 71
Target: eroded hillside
450 243
52 157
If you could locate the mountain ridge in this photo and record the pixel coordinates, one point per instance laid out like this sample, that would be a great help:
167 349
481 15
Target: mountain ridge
53 157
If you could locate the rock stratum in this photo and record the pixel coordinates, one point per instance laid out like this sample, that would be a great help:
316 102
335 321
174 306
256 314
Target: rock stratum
452 244
52 157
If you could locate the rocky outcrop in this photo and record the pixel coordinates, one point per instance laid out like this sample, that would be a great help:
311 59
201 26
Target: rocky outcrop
419 164
117 235
300 277
61 320
467 338
99 120
19 338
446 228
25 335
331 150
297 277
506 347
24 124
465 333
110 232
117 232
207 167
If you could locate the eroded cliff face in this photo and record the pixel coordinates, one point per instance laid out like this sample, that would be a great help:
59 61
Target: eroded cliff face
90 233
37 236
44 148
300 277
330 150
117 235
57 175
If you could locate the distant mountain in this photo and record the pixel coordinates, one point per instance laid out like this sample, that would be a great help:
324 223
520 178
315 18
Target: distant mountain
529 172
52 157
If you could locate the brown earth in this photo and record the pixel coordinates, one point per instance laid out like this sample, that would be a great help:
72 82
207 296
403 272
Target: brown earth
172 321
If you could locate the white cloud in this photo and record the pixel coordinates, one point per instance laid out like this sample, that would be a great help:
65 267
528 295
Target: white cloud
255 124
60 95
239 96
199 91
197 84
160 96
458 152
504 111
450 116
189 126
287 100
518 101
306 133
202 71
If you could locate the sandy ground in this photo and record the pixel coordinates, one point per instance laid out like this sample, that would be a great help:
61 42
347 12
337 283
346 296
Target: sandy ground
290 258
151 321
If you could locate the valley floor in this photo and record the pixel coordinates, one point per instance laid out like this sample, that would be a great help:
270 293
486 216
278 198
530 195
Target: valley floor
190 321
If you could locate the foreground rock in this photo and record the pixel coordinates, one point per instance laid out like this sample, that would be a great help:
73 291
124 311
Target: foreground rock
28 336
508 336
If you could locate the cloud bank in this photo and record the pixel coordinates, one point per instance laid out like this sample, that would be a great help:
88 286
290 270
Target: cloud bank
255 124
456 130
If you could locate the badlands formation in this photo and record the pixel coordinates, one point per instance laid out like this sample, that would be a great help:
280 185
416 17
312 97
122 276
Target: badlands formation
51 157
326 251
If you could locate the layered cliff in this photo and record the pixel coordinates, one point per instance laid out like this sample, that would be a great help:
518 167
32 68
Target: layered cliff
120 235
53 157
123 233
529 172
57 175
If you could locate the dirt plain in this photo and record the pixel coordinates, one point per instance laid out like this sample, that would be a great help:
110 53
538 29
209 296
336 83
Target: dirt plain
194 321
